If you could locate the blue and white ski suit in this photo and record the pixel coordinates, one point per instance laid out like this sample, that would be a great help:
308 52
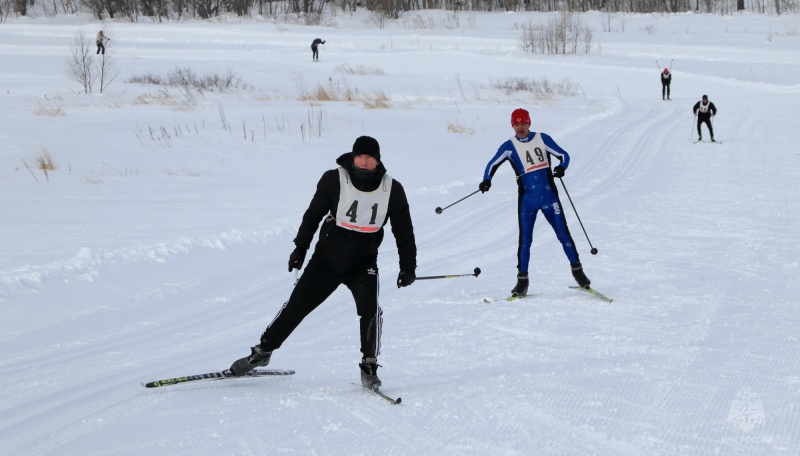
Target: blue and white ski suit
530 158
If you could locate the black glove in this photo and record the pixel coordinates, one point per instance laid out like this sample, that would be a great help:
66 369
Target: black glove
405 278
296 258
558 171
485 185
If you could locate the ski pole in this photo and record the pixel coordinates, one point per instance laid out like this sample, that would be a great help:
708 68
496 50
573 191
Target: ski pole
694 121
452 276
594 250
439 209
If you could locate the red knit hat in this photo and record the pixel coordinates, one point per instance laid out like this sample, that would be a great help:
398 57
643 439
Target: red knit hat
520 116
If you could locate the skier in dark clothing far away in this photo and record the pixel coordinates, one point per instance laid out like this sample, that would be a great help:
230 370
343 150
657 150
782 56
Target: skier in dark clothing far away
529 154
315 48
666 79
355 200
705 111
101 39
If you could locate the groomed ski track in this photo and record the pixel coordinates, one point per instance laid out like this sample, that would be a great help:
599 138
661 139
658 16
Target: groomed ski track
697 246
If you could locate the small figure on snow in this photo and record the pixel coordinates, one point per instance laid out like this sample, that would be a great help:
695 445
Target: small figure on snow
666 79
101 39
705 111
314 48
355 200
529 154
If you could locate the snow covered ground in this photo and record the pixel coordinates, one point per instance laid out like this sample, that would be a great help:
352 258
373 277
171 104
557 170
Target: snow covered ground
158 246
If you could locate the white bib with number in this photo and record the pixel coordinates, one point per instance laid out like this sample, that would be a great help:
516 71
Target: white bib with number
362 211
532 154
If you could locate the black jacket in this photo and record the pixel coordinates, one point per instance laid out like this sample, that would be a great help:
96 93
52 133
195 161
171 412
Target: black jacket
345 249
712 111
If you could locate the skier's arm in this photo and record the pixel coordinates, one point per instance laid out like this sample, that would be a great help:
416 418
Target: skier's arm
503 154
556 150
402 228
321 204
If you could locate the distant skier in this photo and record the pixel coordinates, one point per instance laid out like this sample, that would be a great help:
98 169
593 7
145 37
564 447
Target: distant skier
705 111
666 79
314 48
101 39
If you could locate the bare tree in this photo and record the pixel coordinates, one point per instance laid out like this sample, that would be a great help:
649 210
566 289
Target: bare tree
563 34
4 10
79 65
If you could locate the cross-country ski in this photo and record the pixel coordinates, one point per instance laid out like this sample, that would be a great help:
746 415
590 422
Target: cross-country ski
592 292
218 375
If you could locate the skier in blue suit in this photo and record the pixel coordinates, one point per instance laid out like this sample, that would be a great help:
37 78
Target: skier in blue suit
529 154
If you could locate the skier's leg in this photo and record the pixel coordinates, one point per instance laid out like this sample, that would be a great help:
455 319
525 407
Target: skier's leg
554 214
526 220
315 285
365 287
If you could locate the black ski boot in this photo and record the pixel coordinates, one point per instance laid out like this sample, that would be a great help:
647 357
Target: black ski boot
258 358
522 285
700 138
580 277
369 373
713 140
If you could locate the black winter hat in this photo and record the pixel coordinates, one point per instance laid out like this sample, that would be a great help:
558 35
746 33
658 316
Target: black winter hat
366 145
705 97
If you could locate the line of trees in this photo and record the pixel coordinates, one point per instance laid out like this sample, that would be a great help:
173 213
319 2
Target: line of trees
159 10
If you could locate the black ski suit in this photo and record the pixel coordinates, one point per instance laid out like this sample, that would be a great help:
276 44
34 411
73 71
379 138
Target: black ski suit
314 49
666 80
345 256
704 113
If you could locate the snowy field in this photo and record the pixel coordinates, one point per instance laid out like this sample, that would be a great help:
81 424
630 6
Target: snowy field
158 245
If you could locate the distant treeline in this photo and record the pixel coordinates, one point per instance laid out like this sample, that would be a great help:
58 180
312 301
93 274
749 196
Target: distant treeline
314 12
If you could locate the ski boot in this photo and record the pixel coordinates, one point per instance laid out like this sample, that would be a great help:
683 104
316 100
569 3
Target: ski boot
258 358
580 277
713 140
369 373
522 285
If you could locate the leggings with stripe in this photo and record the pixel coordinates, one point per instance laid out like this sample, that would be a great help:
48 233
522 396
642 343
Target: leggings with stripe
315 285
